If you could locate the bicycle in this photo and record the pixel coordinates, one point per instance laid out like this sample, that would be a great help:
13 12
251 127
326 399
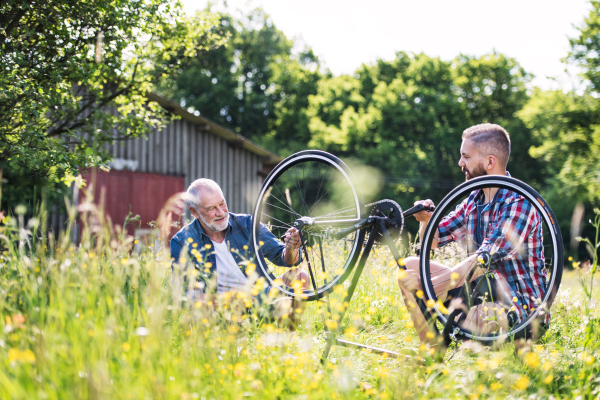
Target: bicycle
316 192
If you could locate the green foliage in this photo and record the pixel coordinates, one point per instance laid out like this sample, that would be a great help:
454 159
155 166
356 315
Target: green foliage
406 117
586 47
75 68
255 84
567 128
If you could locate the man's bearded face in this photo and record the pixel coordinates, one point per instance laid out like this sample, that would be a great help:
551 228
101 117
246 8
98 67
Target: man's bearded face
475 172
213 211
216 224
471 161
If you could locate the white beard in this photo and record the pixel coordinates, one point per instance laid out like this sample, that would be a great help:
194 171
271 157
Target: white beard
218 226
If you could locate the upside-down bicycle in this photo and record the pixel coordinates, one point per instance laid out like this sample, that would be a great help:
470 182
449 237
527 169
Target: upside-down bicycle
317 193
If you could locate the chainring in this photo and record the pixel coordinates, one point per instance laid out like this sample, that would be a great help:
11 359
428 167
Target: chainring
393 211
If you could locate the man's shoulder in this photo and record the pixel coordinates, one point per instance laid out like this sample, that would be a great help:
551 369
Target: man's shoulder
189 230
240 217
240 221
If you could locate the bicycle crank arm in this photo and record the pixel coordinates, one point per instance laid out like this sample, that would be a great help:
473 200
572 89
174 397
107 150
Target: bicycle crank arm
416 209
361 224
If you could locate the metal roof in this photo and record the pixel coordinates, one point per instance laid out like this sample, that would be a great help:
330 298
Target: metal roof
236 139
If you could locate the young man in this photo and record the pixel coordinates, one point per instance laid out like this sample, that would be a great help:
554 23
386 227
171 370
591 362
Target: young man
221 240
488 220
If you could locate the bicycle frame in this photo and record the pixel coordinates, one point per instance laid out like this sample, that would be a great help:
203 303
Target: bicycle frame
377 225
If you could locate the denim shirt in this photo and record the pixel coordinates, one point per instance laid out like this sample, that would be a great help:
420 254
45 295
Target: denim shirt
238 234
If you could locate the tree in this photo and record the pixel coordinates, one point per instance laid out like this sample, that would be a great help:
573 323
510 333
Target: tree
567 125
255 84
585 48
406 116
73 74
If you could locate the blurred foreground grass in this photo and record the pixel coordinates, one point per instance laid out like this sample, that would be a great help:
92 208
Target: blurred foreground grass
101 321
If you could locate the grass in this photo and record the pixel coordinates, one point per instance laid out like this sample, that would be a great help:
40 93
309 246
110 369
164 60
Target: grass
100 321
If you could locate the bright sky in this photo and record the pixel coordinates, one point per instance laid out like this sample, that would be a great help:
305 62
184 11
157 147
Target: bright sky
348 33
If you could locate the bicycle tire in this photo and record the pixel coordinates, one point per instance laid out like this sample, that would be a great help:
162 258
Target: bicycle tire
305 178
547 242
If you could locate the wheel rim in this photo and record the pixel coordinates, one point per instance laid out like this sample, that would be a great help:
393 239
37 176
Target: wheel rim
319 186
488 325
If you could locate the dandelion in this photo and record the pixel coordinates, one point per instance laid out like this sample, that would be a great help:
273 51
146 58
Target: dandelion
430 335
126 346
420 294
430 303
331 324
532 360
589 360
538 348
481 364
522 383
401 262
548 379
350 332
495 386
207 246
570 258
190 240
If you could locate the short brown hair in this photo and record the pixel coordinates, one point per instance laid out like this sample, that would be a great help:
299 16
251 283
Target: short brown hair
490 139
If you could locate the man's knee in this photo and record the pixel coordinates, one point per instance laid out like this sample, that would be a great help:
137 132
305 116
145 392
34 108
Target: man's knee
299 275
412 263
303 277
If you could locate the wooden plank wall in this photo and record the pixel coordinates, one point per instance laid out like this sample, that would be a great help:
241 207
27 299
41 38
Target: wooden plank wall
192 151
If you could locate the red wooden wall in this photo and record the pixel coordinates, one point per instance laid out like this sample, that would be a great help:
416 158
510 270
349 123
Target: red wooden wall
145 193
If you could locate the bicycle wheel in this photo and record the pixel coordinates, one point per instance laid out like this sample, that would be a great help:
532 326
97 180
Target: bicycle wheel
318 185
498 262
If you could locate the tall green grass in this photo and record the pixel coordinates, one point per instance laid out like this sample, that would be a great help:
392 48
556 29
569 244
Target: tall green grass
99 320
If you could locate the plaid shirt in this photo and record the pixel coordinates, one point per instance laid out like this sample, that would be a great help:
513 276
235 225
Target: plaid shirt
511 224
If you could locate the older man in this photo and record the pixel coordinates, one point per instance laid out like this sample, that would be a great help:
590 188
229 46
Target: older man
223 240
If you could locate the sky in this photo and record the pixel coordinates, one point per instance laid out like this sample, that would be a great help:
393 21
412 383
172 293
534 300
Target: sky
346 34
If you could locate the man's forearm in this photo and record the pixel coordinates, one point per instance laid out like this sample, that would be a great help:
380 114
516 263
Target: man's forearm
291 256
422 226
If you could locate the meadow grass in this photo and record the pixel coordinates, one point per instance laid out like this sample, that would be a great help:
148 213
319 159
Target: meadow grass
98 320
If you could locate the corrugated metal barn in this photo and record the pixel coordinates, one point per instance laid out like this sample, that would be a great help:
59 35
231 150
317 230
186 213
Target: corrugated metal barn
145 172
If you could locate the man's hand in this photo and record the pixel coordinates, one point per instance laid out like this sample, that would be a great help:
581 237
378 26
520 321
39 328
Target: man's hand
172 209
409 280
291 239
424 216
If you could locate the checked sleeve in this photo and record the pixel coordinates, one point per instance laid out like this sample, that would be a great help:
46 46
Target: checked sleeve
453 227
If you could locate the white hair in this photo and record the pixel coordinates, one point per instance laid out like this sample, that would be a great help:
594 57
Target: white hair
199 185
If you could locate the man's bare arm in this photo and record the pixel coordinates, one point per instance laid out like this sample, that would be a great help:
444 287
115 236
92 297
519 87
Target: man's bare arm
422 227
291 252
